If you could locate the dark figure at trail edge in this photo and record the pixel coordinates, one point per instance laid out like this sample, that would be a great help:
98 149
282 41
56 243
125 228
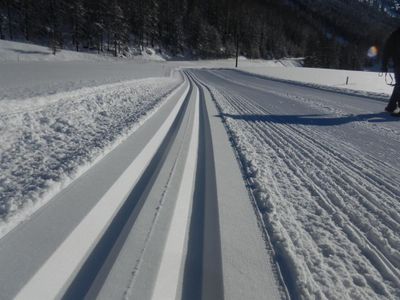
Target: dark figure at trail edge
391 51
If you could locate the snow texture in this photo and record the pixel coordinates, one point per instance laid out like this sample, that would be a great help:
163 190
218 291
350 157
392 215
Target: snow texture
333 212
33 79
45 142
370 84
25 52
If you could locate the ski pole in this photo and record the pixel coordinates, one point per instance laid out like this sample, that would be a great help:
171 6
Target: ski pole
386 78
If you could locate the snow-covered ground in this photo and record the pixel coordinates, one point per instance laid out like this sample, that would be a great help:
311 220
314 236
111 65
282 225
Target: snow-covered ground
333 207
33 79
321 168
362 83
47 141
23 52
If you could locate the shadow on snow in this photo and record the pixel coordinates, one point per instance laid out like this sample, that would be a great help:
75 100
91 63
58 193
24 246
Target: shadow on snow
20 51
315 119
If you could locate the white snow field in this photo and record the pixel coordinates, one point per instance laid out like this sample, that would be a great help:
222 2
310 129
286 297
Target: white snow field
23 52
362 83
34 79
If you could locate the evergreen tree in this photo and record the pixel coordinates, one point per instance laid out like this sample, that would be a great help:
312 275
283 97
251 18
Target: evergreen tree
54 26
2 22
118 29
77 21
9 18
151 11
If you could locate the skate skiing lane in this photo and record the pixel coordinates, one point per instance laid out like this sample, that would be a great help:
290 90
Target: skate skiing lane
355 120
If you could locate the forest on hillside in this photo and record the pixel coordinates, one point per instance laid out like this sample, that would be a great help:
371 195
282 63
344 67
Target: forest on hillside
327 33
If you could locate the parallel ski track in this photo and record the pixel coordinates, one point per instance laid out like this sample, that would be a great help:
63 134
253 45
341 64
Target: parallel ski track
87 283
203 274
349 186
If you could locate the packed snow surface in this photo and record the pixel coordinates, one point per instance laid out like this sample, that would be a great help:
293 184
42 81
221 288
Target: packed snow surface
332 209
47 141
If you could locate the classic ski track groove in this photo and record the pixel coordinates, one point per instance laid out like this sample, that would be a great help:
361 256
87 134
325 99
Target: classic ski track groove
128 291
167 282
203 271
345 177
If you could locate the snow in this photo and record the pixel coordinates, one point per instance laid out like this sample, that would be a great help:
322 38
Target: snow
332 209
58 270
22 52
167 282
243 63
11 51
360 82
249 272
47 141
364 83
151 54
33 79
41 68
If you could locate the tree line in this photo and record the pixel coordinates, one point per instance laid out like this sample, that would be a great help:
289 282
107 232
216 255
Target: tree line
327 33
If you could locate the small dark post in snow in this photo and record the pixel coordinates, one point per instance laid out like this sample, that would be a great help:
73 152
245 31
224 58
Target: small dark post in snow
237 49
347 80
